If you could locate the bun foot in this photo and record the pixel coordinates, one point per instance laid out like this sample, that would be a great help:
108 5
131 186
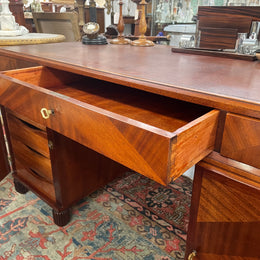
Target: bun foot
61 218
19 187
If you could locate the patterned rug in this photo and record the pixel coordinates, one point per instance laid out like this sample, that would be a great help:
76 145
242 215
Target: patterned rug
130 218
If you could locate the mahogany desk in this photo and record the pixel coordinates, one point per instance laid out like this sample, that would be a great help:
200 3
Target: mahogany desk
157 112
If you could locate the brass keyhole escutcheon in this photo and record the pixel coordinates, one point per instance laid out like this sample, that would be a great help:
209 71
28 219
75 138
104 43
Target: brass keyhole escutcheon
46 113
192 255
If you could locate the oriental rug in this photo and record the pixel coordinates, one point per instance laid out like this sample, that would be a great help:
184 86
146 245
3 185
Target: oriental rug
131 218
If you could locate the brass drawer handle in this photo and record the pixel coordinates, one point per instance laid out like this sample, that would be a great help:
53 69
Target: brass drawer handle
192 255
46 113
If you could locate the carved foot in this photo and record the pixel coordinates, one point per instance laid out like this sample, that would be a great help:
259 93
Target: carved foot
61 218
19 187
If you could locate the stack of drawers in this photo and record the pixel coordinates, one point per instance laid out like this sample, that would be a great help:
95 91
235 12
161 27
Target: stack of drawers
32 155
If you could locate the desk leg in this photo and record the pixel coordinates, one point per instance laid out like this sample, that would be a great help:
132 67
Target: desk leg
19 187
225 215
77 172
61 218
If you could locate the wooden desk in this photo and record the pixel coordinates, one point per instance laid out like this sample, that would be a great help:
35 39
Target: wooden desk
156 120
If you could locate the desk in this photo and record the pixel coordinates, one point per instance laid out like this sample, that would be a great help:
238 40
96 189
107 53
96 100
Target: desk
31 38
158 121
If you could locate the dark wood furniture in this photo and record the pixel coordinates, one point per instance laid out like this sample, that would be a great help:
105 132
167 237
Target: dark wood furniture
100 17
219 25
16 7
30 24
130 20
216 53
158 121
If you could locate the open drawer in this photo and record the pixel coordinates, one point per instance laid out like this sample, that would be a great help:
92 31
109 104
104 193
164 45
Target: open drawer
156 136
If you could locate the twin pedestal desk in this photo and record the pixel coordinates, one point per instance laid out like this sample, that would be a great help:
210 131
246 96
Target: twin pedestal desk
85 114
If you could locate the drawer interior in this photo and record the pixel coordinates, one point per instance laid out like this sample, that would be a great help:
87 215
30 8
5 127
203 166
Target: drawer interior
155 110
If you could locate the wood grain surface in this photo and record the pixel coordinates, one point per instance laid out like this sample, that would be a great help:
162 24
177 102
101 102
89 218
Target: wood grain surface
32 160
203 80
35 183
28 134
222 20
231 11
8 63
241 139
223 23
226 219
78 171
217 38
146 132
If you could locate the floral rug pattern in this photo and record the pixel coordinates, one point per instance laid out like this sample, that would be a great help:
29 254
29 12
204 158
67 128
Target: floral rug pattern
130 218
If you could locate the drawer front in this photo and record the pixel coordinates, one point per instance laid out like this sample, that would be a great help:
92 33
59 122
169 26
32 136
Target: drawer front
32 160
35 182
23 99
151 152
241 139
28 134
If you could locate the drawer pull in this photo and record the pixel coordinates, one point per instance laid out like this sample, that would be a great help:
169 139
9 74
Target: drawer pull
46 113
192 255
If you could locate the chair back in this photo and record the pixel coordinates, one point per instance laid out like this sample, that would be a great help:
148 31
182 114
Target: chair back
58 23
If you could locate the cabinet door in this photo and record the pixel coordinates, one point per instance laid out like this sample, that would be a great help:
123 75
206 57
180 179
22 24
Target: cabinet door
4 166
225 215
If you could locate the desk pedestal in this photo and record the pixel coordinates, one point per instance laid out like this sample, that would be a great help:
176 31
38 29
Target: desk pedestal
225 213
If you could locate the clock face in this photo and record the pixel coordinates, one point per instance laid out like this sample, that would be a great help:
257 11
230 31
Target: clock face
91 28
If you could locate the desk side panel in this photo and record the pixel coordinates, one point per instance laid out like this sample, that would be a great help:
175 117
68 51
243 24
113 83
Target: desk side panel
225 221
